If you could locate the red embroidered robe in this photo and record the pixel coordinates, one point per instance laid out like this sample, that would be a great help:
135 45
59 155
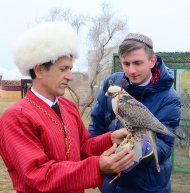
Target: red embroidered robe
33 147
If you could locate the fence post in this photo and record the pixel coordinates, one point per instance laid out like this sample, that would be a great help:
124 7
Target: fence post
175 73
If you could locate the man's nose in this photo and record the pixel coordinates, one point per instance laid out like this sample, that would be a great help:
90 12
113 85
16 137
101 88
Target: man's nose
69 75
131 69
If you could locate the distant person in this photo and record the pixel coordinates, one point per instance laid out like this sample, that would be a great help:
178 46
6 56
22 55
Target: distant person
43 141
149 81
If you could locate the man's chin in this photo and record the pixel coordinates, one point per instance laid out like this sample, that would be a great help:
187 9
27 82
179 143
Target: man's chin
135 82
61 93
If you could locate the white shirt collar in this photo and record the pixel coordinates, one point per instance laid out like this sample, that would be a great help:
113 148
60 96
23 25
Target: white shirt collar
47 101
147 82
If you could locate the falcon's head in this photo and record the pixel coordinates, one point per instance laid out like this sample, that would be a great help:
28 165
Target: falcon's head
113 90
118 93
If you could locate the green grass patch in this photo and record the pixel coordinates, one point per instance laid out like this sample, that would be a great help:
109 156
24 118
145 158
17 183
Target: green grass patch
181 163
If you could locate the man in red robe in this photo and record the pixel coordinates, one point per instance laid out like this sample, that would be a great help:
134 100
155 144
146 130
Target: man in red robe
43 141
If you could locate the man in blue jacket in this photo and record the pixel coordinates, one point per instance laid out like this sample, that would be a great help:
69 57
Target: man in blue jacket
150 82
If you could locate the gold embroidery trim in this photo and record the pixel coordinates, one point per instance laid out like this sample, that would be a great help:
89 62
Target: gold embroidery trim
62 128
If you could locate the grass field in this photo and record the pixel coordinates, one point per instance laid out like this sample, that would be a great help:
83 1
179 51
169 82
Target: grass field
180 177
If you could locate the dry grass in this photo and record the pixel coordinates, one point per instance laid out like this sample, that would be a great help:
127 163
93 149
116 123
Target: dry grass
96 190
180 181
5 104
5 183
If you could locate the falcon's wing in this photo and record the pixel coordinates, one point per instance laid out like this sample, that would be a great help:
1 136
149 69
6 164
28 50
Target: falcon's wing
137 115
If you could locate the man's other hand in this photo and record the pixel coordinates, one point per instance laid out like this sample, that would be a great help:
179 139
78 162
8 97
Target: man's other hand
111 162
118 135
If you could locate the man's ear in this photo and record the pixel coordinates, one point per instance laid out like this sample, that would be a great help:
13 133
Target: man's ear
38 69
153 61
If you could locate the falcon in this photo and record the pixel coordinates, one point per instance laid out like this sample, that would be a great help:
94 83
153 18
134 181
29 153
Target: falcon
138 120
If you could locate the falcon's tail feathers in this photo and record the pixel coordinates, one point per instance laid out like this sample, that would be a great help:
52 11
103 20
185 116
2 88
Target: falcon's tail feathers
152 139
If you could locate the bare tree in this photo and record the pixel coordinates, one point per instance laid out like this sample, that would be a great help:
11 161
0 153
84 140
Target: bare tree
77 21
104 33
58 14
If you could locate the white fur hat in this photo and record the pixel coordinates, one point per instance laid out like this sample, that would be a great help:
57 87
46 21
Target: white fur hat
44 43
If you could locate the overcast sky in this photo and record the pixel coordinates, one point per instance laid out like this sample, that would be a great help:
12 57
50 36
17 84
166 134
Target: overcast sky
165 21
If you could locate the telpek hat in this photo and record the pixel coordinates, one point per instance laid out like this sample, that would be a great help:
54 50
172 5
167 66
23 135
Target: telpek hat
140 38
44 43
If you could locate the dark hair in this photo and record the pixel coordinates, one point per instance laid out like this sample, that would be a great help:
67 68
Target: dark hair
46 65
131 45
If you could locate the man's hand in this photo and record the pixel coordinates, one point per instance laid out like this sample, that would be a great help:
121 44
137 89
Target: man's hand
111 162
118 135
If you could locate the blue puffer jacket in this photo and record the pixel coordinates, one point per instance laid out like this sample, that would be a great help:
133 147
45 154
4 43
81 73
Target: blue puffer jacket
162 100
